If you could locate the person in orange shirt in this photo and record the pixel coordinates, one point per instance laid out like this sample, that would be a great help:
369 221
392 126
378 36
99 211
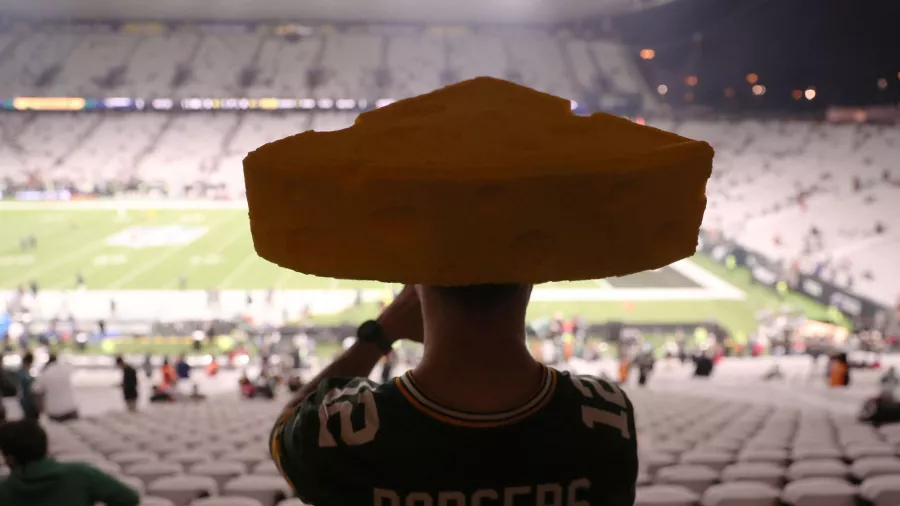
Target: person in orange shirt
624 369
168 374
839 371
213 368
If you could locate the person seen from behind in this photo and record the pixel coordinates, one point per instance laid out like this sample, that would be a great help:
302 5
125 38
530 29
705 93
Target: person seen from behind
36 479
168 374
55 387
29 401
838 371
452 429
129 383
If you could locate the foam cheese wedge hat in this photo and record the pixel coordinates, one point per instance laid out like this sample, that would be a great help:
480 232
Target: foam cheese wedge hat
483 181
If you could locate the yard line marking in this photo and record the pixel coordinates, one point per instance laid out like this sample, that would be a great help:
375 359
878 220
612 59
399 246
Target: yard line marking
704 278
146 266
283 278
240 269
225 245
52 264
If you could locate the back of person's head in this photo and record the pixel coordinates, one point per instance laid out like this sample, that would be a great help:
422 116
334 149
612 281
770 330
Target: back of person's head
27 360
22 442
485 298
120 361
51 358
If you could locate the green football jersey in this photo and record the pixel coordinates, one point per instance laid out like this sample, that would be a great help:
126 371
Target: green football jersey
354 442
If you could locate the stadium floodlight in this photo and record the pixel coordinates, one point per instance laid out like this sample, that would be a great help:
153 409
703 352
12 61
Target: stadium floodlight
307 103
810 94
662 89
573 104
325 103
381 102
648 54
345 103
882 83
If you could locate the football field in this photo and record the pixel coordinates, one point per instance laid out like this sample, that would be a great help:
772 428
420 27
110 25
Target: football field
147 250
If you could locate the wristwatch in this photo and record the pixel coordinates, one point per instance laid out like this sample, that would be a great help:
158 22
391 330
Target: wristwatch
372 332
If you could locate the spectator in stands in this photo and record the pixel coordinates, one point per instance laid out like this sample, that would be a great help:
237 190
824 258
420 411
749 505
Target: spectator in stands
38 480
838 371
703 365
28 401
169 379
8 388
182 369
55 386
212 369
644 363
148 365
129 384
500 396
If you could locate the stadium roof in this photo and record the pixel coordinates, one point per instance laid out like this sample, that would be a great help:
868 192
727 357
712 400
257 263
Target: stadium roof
395 11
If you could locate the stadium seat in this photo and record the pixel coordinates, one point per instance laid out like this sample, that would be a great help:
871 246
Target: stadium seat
293 501
188 457
819 492
761 472
269 490
656 460
870 467
155 501
266 468
665 495
881 490
695 478
221 471
226 501
148 472
741 494
183 489
714 459
134 483
132 457
770 455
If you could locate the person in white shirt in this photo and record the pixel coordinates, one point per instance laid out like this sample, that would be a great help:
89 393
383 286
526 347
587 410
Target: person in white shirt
55 387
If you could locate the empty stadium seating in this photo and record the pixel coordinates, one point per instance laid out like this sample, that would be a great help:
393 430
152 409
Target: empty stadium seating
788 442
774 181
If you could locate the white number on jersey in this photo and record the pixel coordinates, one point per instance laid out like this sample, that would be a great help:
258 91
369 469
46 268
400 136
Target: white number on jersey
610 393
343 408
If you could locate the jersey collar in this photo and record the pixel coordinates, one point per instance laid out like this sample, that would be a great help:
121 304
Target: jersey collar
414 395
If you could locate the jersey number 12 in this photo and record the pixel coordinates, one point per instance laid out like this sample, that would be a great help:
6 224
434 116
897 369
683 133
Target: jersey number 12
610 393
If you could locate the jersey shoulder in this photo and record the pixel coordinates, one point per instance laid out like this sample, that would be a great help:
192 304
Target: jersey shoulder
307 440
601 403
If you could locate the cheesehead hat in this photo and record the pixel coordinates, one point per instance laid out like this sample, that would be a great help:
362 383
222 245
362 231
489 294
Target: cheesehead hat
484 181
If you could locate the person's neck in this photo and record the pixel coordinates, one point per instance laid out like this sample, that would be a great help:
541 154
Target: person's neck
477 366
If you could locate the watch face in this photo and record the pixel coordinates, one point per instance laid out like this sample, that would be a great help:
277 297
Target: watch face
368 331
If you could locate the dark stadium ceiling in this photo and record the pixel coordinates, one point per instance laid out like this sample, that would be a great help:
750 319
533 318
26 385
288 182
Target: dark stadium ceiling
396 11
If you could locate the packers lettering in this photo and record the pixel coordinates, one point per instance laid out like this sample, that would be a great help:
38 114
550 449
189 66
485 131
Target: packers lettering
546 494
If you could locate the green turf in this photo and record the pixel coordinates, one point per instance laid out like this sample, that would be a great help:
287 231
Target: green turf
72 241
